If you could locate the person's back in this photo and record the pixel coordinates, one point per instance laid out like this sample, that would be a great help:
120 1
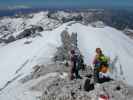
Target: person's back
100 59
103 60
74 60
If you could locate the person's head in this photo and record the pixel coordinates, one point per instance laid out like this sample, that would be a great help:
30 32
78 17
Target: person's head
72 52
98 51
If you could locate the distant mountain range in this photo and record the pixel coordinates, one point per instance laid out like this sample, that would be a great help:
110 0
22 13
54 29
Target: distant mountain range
13 10
119 19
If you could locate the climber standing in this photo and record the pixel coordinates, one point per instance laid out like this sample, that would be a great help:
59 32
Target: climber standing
74 68
80 60
100 65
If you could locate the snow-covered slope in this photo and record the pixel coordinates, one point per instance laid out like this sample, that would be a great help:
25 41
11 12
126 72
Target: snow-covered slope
16 55
18 58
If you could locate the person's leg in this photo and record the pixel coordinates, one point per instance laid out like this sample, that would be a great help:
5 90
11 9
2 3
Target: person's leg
96 74
77 73
71 73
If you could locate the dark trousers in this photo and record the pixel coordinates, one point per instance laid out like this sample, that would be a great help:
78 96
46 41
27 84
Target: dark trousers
75 73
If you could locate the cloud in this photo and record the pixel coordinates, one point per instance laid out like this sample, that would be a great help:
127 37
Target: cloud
18 7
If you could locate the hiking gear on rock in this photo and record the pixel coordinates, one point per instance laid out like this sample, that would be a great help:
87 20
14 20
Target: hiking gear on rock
103 97
88 86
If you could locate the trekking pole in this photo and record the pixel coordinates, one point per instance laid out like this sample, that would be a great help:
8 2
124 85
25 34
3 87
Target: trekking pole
106 93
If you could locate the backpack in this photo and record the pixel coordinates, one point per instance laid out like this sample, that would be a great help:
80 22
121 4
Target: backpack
103 59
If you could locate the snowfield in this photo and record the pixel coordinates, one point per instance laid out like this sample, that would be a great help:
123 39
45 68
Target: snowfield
17 54
18 58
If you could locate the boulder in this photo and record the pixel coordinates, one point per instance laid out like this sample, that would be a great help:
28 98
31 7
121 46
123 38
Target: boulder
10 39
30 32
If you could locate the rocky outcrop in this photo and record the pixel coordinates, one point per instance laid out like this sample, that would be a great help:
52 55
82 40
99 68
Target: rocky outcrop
8 40
129 32
69 42
33 31
40 70
62 89
53 83
29 32
73 18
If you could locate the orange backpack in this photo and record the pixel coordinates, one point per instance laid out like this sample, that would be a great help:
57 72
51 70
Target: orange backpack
104 69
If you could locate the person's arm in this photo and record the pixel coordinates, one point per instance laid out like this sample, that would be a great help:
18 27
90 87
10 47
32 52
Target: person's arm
94 61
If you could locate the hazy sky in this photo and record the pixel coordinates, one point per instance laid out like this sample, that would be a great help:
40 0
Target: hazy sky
66 3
